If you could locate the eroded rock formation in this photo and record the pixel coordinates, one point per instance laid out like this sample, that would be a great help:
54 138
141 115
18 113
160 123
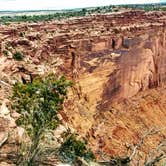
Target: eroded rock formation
117 62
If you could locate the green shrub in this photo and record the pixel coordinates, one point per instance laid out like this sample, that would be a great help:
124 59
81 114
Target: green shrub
5 53
72 148
38 103
22 34
18 56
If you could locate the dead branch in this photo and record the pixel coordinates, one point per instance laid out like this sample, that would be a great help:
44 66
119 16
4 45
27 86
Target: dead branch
141 142
4 139
155 160
4 83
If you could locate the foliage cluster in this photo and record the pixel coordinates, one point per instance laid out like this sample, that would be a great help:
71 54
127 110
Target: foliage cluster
5 52
38 103
18 56
73 148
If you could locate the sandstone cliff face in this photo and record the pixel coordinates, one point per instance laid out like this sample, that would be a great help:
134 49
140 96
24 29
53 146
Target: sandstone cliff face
140 67
118 65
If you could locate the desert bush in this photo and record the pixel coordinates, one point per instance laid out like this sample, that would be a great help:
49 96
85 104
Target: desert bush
18 56
5 53
22 34
38 103
72 149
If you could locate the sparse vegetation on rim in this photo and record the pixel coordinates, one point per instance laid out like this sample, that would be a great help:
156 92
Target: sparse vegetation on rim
81 12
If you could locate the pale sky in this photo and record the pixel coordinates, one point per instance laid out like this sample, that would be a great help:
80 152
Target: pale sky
62 4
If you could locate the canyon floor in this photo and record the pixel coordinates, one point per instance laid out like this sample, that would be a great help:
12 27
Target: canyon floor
117 63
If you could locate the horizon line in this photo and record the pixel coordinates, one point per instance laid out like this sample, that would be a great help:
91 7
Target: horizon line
35 10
